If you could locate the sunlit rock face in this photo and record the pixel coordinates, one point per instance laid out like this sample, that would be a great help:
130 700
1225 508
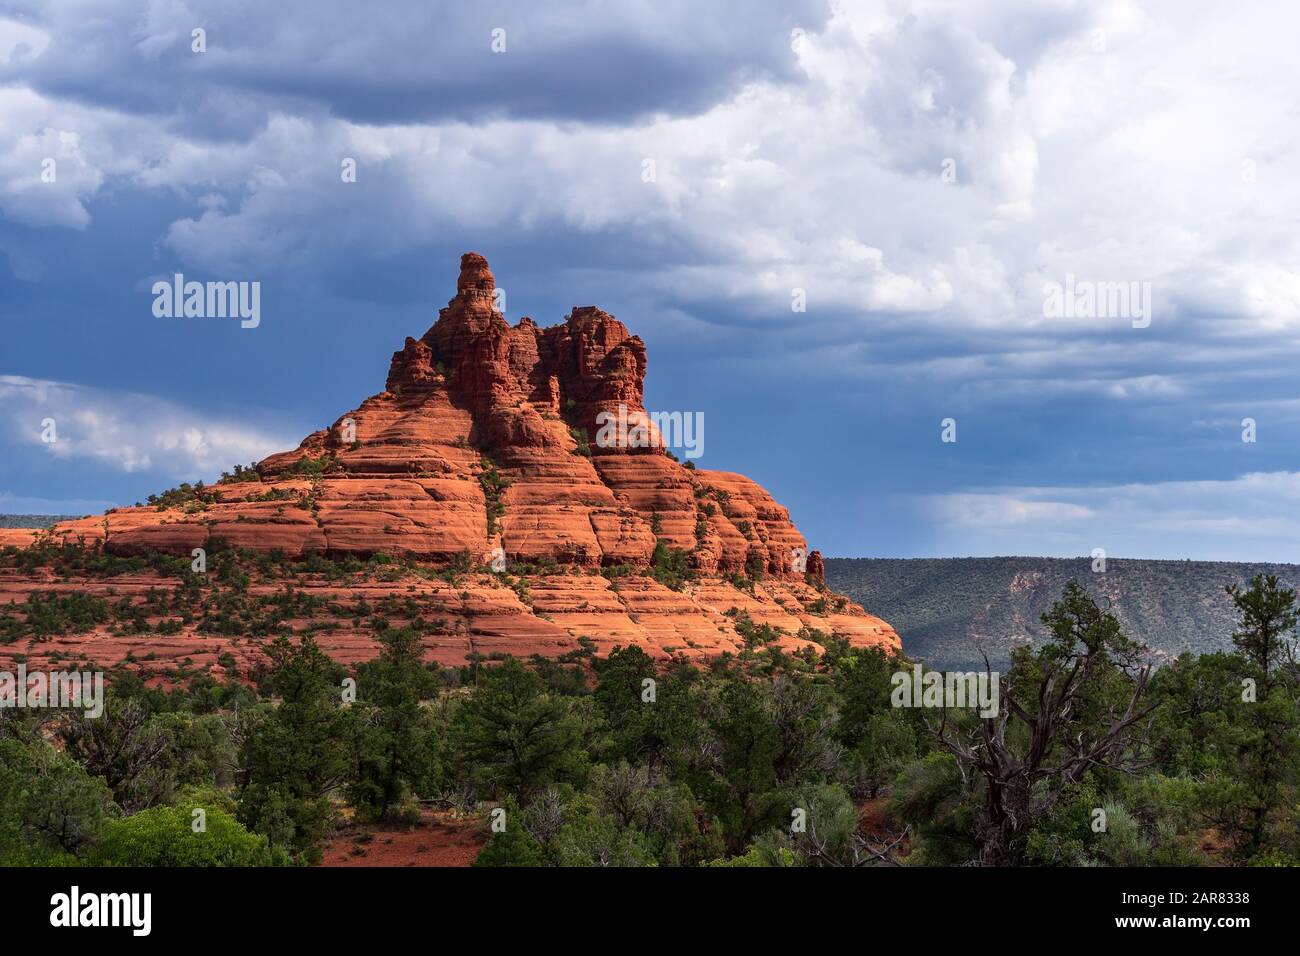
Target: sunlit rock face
483 444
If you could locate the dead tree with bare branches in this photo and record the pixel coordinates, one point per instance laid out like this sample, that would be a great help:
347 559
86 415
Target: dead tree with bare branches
1074 706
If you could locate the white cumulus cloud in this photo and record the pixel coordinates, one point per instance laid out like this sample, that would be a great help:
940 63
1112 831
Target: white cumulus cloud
126 432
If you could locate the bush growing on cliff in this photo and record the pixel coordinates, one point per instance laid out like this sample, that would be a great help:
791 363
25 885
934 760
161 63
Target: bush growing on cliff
182 495
51 614
754 635
581 445
493 484
671 566
308 467
240 474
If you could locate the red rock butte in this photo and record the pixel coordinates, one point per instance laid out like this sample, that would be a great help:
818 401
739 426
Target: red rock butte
483 439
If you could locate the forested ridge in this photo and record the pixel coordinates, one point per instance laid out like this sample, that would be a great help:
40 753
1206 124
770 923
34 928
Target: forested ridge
31 521
951 611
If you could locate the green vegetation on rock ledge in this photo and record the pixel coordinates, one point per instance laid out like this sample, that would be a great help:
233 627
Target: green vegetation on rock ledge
493 484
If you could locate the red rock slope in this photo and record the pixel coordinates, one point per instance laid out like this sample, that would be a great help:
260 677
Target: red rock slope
483 439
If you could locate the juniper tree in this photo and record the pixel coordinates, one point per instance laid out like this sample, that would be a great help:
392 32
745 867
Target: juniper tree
1067 710
1266 638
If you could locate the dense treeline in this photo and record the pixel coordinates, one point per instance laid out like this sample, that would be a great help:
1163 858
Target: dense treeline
762 758
951 612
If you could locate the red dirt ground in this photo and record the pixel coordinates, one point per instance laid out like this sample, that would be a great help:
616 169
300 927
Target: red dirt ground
439 839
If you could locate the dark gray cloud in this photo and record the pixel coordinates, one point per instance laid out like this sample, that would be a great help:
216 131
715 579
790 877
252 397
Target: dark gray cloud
408 62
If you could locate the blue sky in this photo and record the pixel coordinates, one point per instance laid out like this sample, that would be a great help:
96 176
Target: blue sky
921 171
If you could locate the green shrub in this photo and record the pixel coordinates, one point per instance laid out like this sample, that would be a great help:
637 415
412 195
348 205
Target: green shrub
493 484
670 566
167 836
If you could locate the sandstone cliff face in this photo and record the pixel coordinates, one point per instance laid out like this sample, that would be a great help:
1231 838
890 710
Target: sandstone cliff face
482 443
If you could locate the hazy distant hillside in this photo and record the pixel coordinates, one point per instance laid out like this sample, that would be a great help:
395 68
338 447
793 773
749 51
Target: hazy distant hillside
948 610
31 521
